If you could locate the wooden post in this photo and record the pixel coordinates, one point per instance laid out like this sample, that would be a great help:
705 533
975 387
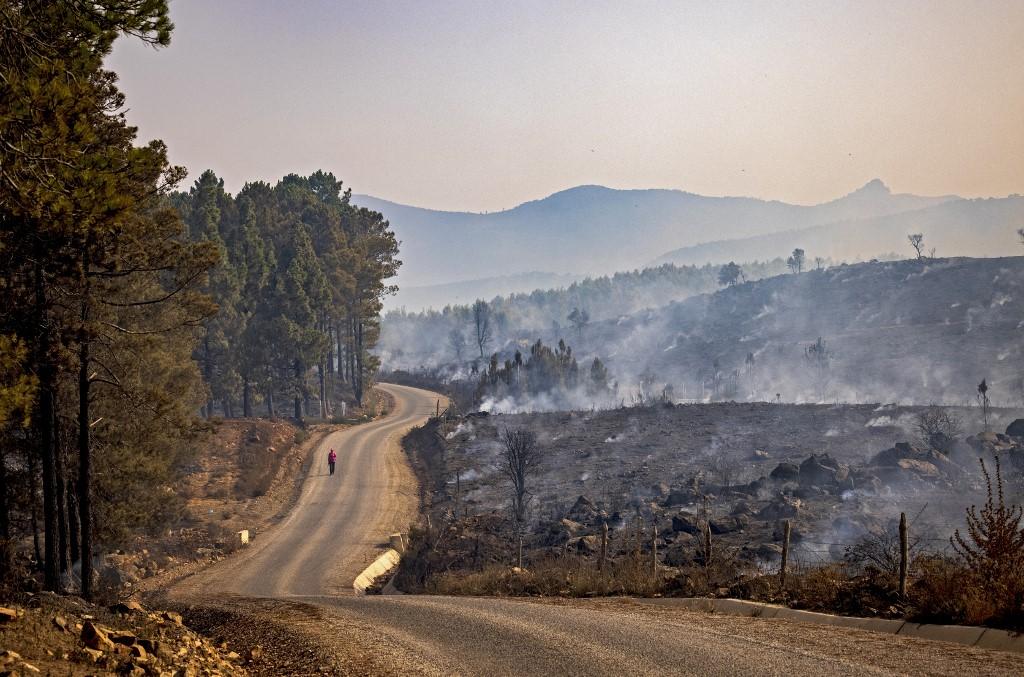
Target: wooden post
438 410
654 551
604 546
458 492
520 558
786 531
904 554
639 528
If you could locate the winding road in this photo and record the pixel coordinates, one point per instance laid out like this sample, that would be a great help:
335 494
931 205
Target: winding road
300 575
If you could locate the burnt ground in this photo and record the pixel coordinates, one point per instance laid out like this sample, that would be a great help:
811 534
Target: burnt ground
674 466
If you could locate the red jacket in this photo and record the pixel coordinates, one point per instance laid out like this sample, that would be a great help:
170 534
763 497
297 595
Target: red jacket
332 457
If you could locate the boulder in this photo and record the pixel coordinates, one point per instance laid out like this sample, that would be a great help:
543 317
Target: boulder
922 468
785 472
1016 429
818 470
8 614
727 525
685 523
95 638
584 511
782 507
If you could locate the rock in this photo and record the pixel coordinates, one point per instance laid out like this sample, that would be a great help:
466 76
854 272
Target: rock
61 623
741 508
1016 429
587 545
922 468
768 551
28 667
570 526
685 523
138 652
233 656
93 654
759 454
785 472
818 470
679 497
127 608
8 614
660 490
585 511
727 525
782 507
122 638
95 638
254 654
173 617
9 656
151 646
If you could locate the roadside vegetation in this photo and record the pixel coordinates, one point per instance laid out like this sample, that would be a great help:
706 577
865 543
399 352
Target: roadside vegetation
134 311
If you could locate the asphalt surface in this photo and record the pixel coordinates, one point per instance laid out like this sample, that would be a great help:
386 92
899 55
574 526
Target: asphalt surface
300 574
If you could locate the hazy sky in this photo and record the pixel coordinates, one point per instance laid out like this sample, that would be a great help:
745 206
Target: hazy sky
483 105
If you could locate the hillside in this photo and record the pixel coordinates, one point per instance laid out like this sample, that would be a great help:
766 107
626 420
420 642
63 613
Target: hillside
969 227
601 230
917 331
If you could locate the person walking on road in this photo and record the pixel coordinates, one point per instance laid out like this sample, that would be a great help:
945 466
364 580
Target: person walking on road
332 458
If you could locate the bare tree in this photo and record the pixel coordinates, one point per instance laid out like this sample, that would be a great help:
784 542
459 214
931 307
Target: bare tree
796 260
520 458
917 242
457 341
938 427
482 324
819 262
984 401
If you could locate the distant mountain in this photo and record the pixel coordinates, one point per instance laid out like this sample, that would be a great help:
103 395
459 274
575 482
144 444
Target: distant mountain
439 295
597 229
983 227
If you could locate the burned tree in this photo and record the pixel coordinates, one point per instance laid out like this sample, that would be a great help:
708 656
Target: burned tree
937 428
819 358
917 242
457 341
482 324
984 401
796 260
520 458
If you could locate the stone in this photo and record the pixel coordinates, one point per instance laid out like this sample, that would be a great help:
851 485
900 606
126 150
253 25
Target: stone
255 654
95 638
922 468
8 614
785 472
727 525
782 507
138 652
93 654
173 617
61 623
122 638
127 608
9 656
1016 429
686 523
585 511
818 470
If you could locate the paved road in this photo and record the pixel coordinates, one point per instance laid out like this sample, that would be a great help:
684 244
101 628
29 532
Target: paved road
299 576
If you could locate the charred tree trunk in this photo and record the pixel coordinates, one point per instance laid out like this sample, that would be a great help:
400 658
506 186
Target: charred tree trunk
33 488
6 551
74 529
63 561
270 402
45 419
85 452
247 399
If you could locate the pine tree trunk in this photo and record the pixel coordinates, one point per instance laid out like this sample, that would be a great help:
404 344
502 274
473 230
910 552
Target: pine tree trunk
63 563
247 399
84 464
74 528
6 551
33 488
45 417
321 373
270 402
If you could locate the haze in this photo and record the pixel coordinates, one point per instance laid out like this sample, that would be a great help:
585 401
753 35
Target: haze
477 107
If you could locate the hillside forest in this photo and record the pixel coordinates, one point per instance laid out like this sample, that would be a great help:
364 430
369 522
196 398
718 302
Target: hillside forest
132 310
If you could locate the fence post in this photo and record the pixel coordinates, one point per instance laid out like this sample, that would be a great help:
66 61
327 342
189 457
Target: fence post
639 528
904 554
654 550
604 546
786 530
519 559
